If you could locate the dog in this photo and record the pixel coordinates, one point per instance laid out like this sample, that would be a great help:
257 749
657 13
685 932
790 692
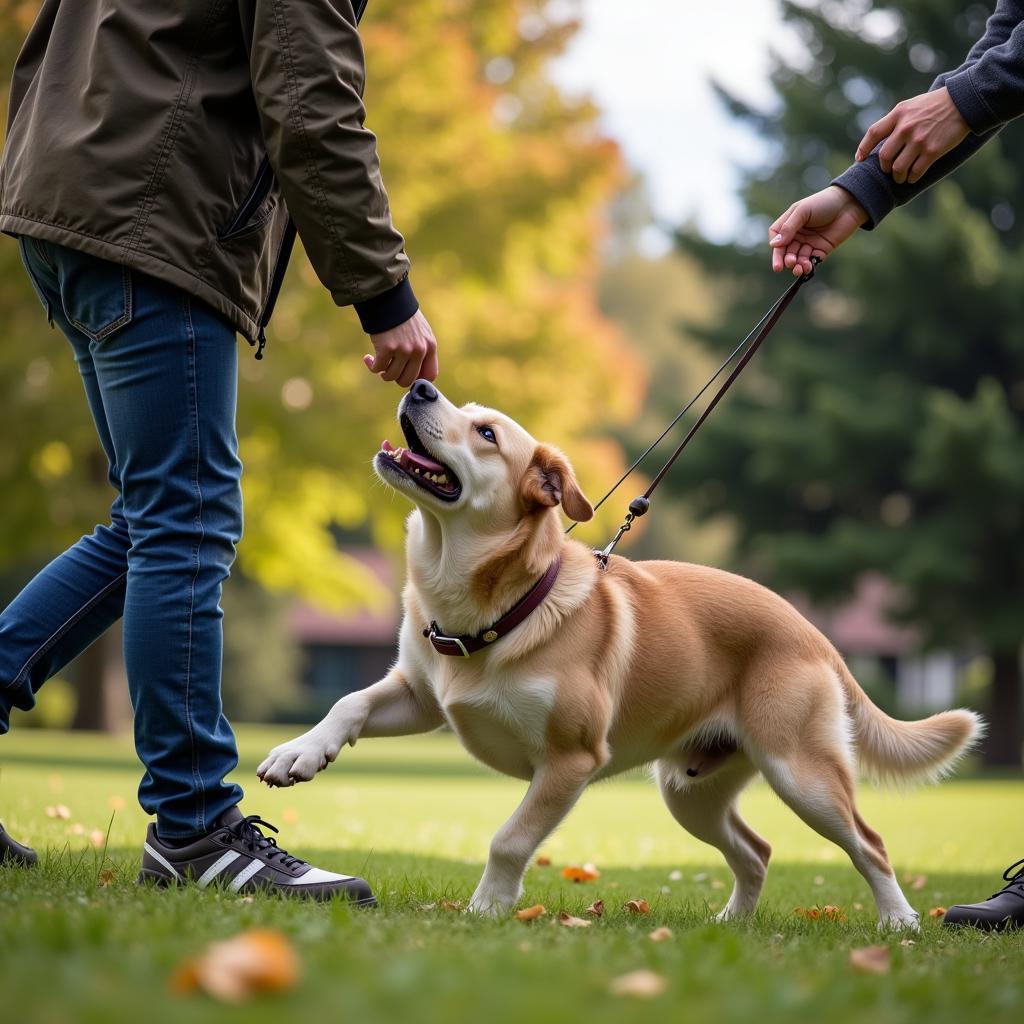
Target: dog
707 676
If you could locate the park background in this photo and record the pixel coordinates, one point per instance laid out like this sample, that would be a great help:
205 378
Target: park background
585 189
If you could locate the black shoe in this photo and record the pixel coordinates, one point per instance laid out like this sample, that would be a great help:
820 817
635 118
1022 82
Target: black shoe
239 857
12 852
1004 909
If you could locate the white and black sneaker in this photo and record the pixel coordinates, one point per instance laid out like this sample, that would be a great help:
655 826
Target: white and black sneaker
238 857
13 852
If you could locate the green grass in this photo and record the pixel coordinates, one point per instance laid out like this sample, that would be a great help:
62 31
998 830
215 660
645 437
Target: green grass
415 817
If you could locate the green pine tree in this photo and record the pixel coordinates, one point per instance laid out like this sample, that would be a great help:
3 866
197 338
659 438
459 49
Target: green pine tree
882 426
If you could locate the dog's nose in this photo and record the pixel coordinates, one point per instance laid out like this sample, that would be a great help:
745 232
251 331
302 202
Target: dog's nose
423 391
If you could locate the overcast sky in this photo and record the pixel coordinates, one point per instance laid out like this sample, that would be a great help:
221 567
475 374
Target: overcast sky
648 64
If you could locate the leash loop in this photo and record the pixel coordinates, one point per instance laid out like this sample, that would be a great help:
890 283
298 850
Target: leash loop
640 505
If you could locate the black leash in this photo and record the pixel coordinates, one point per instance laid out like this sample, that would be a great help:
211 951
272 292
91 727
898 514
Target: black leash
640 505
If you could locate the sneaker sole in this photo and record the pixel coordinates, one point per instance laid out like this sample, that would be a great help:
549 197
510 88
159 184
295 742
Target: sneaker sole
160 881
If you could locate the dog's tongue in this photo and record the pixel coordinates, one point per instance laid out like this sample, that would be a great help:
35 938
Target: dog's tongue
408 458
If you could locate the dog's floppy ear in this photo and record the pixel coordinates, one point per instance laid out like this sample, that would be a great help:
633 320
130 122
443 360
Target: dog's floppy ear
550 481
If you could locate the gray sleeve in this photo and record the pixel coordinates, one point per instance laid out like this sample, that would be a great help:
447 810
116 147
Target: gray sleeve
990 79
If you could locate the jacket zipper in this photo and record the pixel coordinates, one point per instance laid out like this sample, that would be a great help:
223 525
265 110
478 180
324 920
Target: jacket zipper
276 280
252 202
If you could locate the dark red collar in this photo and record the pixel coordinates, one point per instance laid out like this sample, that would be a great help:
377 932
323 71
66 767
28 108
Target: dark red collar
464 646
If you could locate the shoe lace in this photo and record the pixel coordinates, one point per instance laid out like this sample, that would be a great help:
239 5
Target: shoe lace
1014 878
247 832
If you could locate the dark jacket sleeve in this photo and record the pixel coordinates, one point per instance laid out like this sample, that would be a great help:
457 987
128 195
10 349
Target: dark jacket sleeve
987 89
306 64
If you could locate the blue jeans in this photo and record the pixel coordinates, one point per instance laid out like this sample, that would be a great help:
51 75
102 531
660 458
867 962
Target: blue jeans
160 373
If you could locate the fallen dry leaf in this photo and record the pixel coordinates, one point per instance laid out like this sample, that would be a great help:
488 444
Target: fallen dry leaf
568 921
937 912
637 907
918 882
662 934
251 963
596 909
907 942
58 811
828 912
116 802
106 877
452 906
717 883
871 959
586 873
531 913
543 862
641 984
98 838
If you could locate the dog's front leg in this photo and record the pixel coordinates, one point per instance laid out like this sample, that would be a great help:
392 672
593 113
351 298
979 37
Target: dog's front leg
388 708
556 786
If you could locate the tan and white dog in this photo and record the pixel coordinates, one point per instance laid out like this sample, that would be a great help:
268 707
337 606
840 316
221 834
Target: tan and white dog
707 675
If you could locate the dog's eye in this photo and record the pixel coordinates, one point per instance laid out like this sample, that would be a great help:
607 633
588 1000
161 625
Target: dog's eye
487 434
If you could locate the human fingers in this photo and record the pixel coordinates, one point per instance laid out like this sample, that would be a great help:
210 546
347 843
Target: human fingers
881 129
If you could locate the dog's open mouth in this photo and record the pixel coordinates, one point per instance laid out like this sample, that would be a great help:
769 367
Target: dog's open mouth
417 464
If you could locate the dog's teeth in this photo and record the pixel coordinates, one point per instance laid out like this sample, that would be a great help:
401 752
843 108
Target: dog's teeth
442 479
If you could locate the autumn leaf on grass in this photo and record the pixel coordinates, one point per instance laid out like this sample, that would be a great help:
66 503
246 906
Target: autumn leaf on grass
106 877
827 912
568 921
662 934
918 882
586 873
871 959
937 912
252 963
531 913
543 862
637 907
452 906
59 811
596 909
641 984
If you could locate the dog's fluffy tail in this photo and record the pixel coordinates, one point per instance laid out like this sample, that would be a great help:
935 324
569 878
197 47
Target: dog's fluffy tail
906 752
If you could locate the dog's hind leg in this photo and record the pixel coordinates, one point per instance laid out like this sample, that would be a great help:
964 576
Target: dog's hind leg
819 786
706 808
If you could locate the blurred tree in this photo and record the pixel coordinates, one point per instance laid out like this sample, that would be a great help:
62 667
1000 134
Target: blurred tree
883 424
499 183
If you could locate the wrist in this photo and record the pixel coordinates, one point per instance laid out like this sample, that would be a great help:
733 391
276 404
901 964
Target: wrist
851 205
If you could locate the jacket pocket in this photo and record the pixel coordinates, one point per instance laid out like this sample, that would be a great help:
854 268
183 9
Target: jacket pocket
95 293
251 213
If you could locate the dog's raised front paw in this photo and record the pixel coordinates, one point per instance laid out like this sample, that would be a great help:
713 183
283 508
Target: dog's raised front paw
298 760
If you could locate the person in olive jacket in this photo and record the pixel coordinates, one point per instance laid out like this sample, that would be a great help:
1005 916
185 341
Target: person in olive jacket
159 160
916 144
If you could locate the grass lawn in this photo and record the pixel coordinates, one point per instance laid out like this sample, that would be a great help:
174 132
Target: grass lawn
415 817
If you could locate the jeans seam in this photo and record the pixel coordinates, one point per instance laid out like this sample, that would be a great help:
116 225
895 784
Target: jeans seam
62 630
120 321
200 819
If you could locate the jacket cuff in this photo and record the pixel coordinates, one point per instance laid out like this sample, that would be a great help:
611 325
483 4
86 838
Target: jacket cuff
869 185
389 309
973 108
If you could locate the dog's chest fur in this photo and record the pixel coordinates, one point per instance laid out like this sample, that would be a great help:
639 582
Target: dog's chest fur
501 718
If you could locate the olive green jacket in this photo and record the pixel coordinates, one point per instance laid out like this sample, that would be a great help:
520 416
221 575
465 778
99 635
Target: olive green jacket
184 138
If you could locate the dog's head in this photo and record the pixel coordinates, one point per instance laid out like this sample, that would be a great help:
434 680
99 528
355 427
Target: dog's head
475 461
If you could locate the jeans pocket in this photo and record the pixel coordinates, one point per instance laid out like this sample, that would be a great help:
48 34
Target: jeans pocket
95 293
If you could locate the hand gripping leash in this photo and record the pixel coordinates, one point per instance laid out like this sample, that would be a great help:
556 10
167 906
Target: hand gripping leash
640 505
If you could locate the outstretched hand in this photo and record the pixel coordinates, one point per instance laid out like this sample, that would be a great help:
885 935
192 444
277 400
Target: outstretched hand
813 227
405 353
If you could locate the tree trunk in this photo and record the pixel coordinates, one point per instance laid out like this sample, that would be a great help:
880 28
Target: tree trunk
100 681
1006 712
